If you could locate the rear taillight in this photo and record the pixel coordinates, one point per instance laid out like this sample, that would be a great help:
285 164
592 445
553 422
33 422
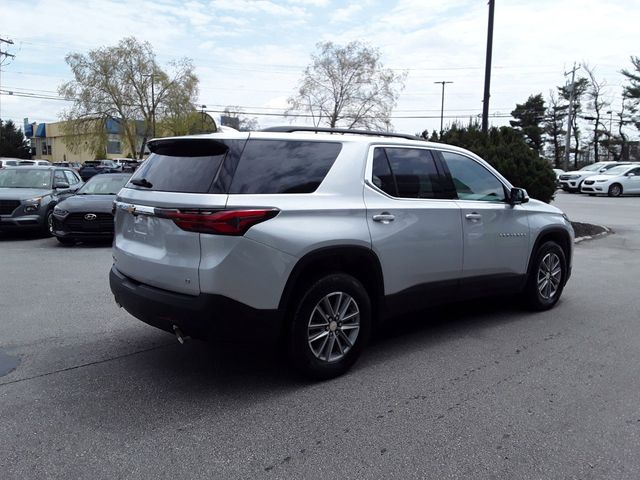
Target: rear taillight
221 222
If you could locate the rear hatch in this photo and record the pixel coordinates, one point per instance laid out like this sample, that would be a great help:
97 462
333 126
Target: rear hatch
154 242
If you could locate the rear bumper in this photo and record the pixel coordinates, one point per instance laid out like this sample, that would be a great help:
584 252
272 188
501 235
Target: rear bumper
205 316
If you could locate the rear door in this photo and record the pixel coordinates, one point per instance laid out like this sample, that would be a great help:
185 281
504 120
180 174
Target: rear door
415 225
180 175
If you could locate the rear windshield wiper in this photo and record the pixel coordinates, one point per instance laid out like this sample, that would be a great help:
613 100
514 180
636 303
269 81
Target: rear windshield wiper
142 182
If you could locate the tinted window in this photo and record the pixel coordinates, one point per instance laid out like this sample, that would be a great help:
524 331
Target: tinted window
188 166
281 166
382 176
472 181
415 172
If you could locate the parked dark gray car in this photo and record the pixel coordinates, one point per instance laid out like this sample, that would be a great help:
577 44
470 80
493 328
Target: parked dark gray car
88 215
28 195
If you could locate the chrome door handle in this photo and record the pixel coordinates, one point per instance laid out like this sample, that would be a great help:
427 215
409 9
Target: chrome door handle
473 216
384 218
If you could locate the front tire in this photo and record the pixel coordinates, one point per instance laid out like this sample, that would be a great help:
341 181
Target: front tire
330 326
47 228
547 277
615 190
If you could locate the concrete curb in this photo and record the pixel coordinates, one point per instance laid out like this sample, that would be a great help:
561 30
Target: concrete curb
607 231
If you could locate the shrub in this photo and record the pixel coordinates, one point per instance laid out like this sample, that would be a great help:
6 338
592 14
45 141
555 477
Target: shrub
506 150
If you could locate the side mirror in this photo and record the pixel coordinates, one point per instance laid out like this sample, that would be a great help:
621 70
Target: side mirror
60 185
517 196
631 174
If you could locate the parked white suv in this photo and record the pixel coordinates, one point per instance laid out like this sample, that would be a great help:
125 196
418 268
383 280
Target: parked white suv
572 181
318 235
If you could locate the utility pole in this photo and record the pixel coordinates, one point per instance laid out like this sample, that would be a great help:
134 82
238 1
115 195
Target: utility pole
487 70
3 55
610 112
442 107
567 142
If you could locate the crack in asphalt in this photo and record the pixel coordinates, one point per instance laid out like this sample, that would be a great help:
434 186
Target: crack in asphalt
75 367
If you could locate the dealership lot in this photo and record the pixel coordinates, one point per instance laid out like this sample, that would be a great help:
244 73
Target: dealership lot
481 391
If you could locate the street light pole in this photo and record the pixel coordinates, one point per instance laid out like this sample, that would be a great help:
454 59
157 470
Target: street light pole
442 107
203 107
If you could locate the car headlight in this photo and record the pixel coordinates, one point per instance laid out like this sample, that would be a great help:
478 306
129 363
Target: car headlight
32 204
60 211
33 201
602 181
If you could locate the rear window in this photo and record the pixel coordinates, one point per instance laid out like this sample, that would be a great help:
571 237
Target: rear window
188 166
283 166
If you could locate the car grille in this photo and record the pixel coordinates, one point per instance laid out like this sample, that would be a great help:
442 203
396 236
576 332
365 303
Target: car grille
589 182
76 222
8 206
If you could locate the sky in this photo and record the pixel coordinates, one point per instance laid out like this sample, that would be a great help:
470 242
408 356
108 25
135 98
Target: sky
251 53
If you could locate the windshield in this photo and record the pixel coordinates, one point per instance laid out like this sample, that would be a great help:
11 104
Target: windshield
593 168
104 184
25 178
616 170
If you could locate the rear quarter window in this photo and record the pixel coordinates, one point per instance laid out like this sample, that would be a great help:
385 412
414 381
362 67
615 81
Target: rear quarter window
283 166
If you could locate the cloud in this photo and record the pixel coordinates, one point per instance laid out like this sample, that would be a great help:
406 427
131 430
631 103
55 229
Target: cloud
345 14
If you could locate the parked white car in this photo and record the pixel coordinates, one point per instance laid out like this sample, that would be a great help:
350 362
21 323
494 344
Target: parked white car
572 181
616 181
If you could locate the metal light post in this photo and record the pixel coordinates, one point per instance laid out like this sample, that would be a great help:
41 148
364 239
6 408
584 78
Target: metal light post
203 107
610 112
442 106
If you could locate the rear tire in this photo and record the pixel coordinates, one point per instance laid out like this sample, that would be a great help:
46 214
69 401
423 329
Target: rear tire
547 277
330 326
615 190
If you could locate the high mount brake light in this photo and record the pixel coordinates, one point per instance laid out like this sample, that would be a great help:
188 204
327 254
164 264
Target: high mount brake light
220 222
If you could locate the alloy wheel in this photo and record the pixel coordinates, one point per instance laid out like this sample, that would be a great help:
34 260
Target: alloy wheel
549 276
333 326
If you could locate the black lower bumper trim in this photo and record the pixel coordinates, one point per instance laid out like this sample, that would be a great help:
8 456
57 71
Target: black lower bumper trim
205 316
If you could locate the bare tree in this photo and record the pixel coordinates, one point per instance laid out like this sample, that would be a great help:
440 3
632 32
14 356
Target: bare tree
123 82
348 86
241 121
597 103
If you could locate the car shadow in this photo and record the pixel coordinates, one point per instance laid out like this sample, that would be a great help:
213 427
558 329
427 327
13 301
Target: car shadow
21 235
231 368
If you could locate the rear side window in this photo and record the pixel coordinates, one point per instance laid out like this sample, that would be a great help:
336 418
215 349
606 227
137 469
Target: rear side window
283 166
188 166
408 173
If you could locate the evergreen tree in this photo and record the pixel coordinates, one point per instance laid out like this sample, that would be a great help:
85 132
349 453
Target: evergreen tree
12 141
507 151
529 117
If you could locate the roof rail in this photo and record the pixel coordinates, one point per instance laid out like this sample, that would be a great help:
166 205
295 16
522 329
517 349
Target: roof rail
291 129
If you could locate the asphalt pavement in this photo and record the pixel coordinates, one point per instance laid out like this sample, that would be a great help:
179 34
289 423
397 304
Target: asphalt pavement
483 390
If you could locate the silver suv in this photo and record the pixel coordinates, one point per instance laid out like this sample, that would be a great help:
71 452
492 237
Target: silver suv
318 235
